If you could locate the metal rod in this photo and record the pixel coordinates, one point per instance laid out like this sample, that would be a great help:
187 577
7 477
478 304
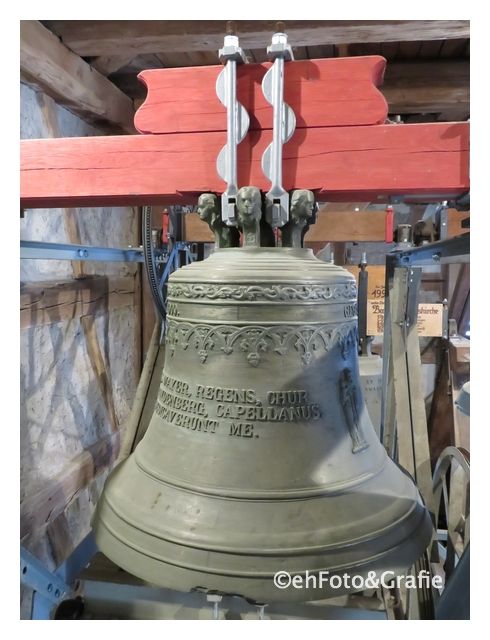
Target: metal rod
231 117
278 88
237 123
283 126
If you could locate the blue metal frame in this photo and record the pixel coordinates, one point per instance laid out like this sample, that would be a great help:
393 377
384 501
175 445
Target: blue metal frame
33 250
51 588
454 250
173 260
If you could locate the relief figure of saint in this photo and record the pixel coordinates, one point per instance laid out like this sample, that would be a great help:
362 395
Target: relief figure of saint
349 401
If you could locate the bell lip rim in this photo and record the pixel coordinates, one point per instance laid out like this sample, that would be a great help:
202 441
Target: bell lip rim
418 511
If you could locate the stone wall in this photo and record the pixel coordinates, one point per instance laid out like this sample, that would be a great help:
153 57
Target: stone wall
80 361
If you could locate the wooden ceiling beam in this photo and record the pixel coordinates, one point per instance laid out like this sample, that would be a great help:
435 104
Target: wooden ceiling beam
427 87
110 64
347 164
48 65
111 37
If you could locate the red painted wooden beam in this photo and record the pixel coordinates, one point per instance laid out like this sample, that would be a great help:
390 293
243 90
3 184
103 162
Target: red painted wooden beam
334 92
358 163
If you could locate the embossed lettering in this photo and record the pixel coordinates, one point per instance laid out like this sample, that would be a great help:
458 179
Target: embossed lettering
194 423
181 404
286 397
178 386
301 413
226 395
245 430
201 407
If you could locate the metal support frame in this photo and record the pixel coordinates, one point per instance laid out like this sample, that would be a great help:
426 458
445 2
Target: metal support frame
403 421
173 260
404 295
412 444
455 249
443 222
51 588
34 250
144 602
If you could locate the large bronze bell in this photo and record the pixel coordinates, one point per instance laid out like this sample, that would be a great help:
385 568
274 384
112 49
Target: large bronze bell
260 456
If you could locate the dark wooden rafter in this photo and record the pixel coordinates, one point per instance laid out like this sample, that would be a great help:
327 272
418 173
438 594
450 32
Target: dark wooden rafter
427 87
50 66
106 65
109 37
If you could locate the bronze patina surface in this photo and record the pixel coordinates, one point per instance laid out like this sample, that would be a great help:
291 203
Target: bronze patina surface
260 456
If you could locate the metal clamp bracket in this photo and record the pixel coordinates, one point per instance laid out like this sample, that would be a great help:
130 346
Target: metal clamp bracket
237 123
284 124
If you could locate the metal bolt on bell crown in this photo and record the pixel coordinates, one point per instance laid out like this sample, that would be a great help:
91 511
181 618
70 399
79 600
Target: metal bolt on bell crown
260 456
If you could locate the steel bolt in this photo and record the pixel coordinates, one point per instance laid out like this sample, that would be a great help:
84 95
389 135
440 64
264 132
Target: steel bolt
231 41
279 38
